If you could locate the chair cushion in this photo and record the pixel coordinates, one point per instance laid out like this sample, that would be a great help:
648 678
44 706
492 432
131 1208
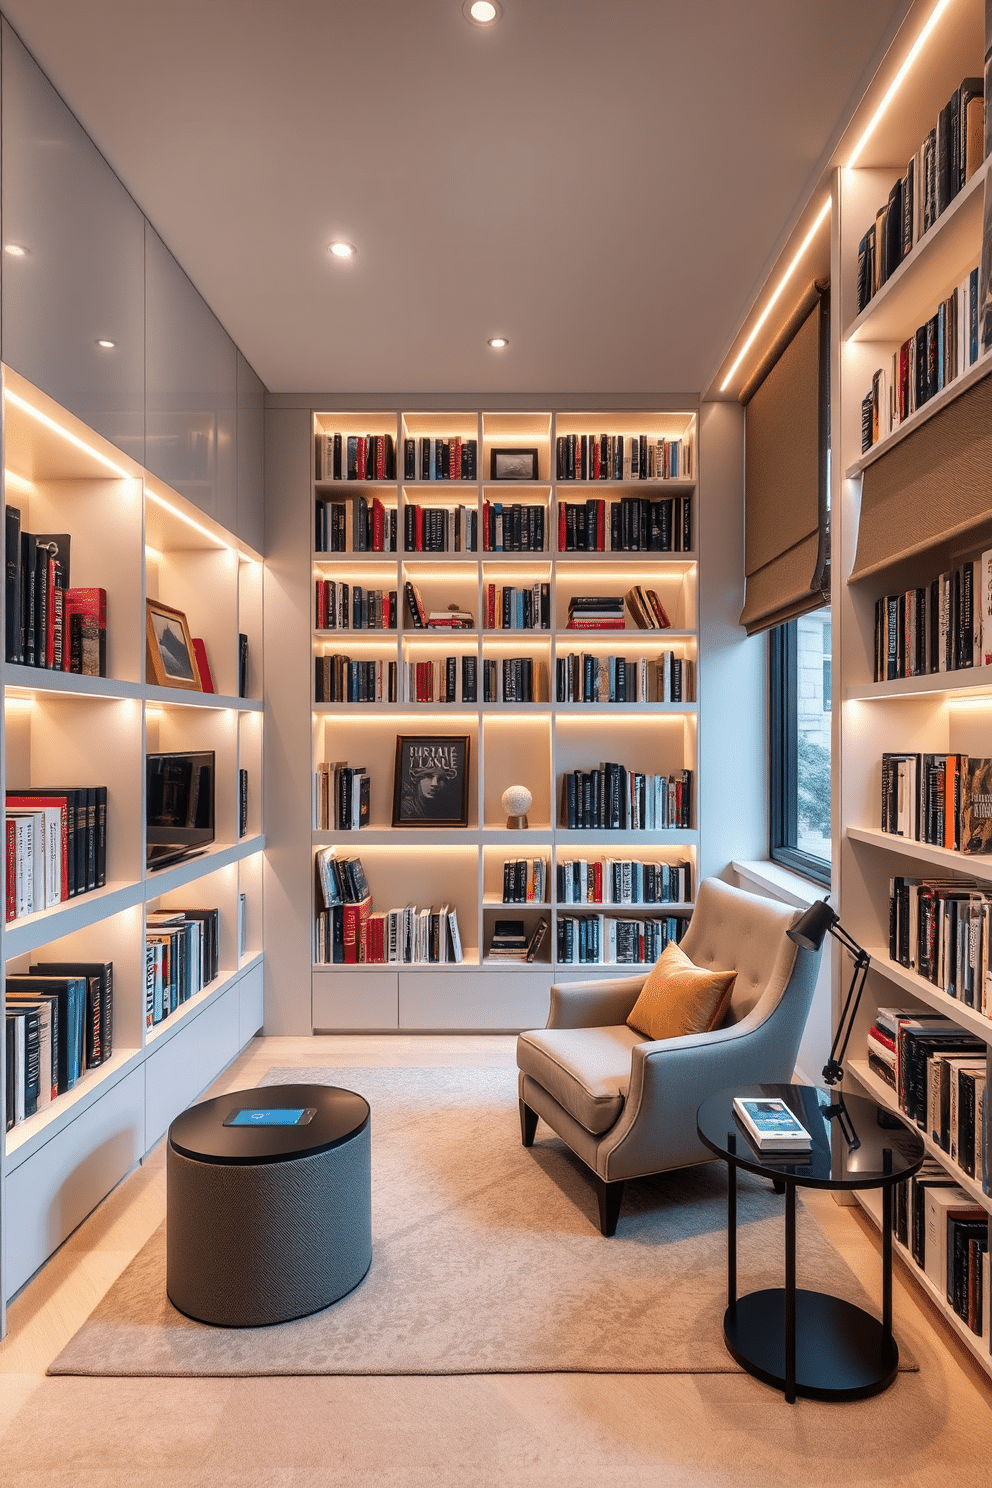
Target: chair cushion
679 998
586 1070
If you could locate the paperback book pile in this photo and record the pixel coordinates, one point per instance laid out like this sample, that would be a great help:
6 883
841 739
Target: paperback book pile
343 797
940 928
602 940
595 612
623 881
938 351
525 881
511 942
48 623
340 606
946 1233
445 679
340 679
948 157
363 457
56 845
440 529
589 678
619 799
770 1125
614 457
182 956
373 526
59 1023
943 626
440 459
514 679
942 799
508 608
513 527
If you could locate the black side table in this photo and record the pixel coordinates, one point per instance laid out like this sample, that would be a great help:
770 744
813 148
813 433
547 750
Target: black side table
803 1342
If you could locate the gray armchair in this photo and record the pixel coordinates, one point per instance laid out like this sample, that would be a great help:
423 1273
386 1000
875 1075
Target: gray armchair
626 1105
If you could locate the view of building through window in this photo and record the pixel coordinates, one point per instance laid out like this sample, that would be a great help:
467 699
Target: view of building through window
813 734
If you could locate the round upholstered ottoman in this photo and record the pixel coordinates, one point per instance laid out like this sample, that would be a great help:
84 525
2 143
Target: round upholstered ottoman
269 1204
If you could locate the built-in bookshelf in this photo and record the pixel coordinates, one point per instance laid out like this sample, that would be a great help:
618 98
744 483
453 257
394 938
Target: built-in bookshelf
501 669
134 538
940 712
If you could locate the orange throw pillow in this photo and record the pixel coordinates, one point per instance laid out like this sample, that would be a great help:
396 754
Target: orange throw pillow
679 997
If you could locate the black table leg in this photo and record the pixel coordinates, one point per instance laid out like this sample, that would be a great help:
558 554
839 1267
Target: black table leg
790 1293
732 1230
887 1245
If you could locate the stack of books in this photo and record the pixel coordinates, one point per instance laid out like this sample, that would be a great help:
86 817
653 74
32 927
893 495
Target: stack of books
596 612
510 941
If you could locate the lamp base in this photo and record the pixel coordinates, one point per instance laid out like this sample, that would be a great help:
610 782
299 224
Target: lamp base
517 823
833 1072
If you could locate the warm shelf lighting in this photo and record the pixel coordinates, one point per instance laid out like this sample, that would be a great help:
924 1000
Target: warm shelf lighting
105 343
797 258
340 249
897 82
16 250
18 482
57 428
175 512
482 12
498 343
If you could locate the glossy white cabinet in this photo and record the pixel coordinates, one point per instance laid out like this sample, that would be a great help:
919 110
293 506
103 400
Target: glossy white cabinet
251 417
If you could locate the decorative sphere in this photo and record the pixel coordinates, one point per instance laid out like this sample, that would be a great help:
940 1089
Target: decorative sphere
517 800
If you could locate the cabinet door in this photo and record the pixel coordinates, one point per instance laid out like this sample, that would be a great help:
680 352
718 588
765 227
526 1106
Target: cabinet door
191 389
251 416
80 278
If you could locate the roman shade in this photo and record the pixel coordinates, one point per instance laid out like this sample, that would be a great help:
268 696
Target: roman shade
786 525
932 486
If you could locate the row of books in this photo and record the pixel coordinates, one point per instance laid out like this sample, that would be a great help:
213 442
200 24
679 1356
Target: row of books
59 1023
343 797
340 880
623 881
947 158
48 623
56 845
440 529
525 881
339 606
941 799
941 929
421 618
928 361
341 679
353 934
512 679
510 940
614 457
453 458
355 457
943 626
182 956
937 1072
604 940
617 799
445 679
589 678
513 527
633 525
946 1233
511 608
373 526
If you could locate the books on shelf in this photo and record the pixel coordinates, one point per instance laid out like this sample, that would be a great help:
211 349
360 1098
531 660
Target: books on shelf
56 845
617 799
633 524
242 803
623 881
601 939
513 527
510 940
343 797
443 679
525 881
372 523
511 608
940 928
591 678
943 626
770 1125
182 956
614 457
452 458
646 609
512 679
343 679
596 612
946 1234
361 457
948 157
48 623
440 529
944 800
59 1024
342 606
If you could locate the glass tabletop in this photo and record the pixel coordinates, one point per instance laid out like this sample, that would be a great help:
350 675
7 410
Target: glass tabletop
856 1143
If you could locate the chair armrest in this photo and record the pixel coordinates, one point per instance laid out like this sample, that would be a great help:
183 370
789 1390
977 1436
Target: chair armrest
601 1004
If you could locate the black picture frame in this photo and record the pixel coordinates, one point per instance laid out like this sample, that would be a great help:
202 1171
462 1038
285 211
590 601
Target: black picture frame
513 464
430 780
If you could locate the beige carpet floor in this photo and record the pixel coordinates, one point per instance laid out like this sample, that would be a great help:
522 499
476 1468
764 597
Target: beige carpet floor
486 1259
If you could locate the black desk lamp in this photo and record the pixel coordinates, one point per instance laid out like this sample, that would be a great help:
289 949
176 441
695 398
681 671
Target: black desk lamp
808 932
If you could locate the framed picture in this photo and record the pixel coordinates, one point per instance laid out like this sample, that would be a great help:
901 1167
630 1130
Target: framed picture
430 783
513 464
171 658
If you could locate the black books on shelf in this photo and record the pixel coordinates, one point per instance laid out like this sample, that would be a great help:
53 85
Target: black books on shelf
182 956
618 457
242 665
342 606
59 1024
525 881
633 524
623 881
343 800
511 940
592 678
56 845
943 626
513 527
617 799
361 457
942 929
429 459
601 939
242 803
944 800
440 529
512 679
372 526
510 608
342 679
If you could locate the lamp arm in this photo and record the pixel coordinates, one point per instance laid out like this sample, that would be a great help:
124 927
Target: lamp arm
833 1070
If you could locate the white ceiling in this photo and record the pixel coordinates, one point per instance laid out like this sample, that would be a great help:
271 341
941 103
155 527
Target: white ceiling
604 183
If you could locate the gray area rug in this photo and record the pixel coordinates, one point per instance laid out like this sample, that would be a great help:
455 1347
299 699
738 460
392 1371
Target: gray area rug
487 1258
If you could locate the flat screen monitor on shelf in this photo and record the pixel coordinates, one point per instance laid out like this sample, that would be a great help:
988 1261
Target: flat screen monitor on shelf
179 804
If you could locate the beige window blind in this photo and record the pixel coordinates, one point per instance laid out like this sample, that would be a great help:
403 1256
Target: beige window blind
932 486
786 526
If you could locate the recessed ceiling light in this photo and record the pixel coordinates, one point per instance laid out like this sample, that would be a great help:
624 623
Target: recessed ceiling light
107 345
498 342
482 12
340 249
16 250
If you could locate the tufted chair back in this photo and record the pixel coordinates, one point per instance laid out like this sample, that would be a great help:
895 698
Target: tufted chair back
732 929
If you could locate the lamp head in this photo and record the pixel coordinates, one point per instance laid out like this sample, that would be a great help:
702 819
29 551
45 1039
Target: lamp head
811 927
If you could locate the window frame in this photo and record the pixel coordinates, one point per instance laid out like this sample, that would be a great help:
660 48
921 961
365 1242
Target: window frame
784 758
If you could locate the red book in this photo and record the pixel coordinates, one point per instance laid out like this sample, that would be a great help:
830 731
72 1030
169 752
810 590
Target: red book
11 896
491 607
485 526
600 525
595 625
206 680
52 620
378 525
354 918
597 883
659 609
595 460
36 803
360 459
456 461
85 624
380 457
562 534
420 528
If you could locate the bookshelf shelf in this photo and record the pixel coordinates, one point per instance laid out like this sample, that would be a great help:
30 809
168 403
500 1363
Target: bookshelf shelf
173 697
971 680
25 1138
34 930
970 864
933 405
924 991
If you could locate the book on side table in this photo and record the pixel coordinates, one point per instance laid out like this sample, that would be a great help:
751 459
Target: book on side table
770 1125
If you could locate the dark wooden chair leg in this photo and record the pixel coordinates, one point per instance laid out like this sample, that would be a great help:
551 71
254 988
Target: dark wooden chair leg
778 1184
610 1196
528 1124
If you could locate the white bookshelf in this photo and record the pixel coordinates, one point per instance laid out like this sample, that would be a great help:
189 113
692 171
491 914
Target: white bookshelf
945 712
529 743
133 536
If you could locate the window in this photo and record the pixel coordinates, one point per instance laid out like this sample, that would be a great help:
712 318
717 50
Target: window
800 744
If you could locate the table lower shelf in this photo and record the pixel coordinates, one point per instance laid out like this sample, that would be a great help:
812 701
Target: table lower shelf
842 1352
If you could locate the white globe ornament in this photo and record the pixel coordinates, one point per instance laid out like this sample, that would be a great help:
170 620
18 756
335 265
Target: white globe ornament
516 801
